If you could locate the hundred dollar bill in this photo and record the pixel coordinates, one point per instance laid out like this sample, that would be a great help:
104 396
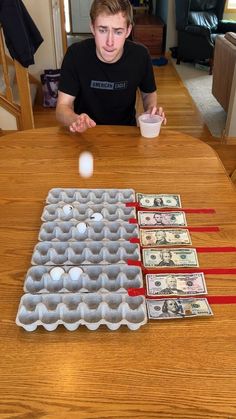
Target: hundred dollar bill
162 219
179 284
178 308
171 257
158 200
164 237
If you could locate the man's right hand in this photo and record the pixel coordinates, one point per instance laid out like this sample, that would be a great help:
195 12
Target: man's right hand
65 114
81 123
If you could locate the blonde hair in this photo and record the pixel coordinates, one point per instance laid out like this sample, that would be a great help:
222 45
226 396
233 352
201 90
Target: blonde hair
112 7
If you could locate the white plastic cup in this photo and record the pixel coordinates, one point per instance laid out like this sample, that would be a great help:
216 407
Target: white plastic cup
150 125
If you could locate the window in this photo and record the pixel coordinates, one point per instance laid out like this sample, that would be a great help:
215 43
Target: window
231 6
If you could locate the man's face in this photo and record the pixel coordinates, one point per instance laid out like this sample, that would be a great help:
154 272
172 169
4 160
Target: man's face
172 283
171 306
157 217
110 33
166 257
160 235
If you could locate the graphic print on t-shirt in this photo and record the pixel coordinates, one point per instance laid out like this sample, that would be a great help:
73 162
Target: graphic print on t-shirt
108 85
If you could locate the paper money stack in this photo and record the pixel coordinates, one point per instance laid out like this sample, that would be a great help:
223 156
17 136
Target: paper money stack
165 242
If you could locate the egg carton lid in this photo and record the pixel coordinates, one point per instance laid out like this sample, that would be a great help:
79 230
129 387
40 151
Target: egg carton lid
89 253
95 278
105 196
73 310
80 231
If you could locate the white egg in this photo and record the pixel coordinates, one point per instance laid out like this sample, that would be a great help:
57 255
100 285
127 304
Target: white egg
82 227
75 273
56 273
96 216
67 209
85 164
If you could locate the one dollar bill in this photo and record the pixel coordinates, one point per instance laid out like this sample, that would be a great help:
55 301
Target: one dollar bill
158 200
180 308
171 257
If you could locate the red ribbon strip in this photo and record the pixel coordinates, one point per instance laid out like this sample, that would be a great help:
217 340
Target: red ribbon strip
133 221
221 299
132 204
197 229
203 229
209 271
133 292
212 299
215 249
187 210
132 262
134 240
204 249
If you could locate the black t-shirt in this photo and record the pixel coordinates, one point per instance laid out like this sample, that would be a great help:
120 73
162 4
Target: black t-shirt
106 92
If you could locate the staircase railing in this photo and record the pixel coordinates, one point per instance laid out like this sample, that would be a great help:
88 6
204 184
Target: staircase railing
23 112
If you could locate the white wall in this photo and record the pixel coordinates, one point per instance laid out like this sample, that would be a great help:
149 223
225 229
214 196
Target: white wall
8 121
40 12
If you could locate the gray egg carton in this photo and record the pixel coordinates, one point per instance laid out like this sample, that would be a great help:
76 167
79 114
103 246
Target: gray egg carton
96 278
81 212
91 196
80 253
73 310
98 231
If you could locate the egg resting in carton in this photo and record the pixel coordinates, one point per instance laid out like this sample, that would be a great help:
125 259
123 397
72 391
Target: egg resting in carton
73 310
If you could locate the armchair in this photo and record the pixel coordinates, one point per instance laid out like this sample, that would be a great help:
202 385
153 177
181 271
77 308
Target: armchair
198 22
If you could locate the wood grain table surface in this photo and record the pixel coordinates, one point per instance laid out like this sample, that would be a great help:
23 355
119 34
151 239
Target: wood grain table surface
166 369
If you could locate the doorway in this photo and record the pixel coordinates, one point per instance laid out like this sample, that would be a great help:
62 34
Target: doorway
77 20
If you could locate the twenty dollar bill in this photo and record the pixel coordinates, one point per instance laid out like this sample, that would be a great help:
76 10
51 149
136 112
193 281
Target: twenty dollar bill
171 257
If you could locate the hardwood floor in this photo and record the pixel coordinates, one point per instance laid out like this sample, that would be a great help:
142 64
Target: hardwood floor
182 114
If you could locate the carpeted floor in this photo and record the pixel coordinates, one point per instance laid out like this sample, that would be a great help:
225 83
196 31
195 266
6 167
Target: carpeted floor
199 84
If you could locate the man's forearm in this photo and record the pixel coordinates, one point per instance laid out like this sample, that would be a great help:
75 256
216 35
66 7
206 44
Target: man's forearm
65 115
149 100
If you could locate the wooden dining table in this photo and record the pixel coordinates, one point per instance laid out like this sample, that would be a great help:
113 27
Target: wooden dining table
166 369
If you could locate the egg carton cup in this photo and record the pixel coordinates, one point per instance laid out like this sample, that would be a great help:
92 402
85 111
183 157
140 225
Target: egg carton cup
91 196
86 213
88 253
74 310
107 278
99 231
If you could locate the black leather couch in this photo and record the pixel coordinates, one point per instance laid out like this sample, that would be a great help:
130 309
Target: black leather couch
198 22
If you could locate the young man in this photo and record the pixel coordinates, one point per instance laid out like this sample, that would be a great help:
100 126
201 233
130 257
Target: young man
100 76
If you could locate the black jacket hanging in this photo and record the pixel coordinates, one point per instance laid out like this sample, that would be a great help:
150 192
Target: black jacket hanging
22 37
